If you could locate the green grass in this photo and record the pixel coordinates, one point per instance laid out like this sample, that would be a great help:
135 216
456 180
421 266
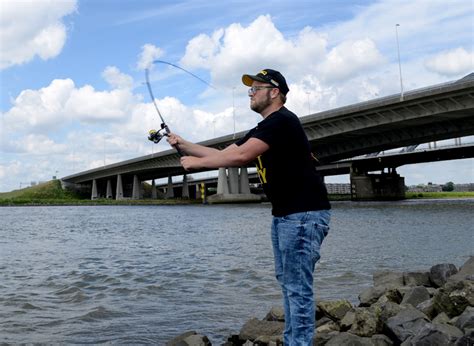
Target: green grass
446 194
51 193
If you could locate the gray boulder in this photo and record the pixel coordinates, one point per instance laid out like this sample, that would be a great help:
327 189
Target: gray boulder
440 273
349 339
370 295
466 272
276 313
321 339
190 338
366 322
467 339
388 279
436 334
347 321
381 340
416 279
428 308
416 295
454 297
406 323
466 319
335 309
254 328
441 318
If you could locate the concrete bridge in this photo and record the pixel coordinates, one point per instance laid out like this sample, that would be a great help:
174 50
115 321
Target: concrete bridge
425 115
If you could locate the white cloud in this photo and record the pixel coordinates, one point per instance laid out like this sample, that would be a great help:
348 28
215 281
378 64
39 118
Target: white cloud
50 107
148 54
30 28
117 79
348 59
451 63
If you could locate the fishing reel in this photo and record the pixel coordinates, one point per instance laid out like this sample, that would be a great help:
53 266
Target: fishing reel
157 136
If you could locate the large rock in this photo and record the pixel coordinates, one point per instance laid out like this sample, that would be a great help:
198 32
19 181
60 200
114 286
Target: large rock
416 295
466 272
275 314
366 322
254 328
454 297
335 309
428 308
388 279
349 340
347 321
406 323
416 279
190 338
321 339
381 340
440 273
436 334
467 339
466 319
370 295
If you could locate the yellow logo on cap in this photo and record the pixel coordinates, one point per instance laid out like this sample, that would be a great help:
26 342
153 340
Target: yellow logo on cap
263 72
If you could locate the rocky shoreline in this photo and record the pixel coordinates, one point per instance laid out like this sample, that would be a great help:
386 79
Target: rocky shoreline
435 307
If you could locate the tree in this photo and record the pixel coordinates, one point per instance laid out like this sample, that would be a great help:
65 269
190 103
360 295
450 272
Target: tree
449 186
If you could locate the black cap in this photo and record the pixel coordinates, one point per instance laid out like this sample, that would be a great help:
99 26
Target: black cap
269 76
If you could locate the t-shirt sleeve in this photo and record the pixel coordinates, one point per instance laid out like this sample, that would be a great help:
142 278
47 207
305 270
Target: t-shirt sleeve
271 131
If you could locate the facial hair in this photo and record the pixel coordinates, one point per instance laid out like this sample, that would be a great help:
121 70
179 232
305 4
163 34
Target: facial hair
260 106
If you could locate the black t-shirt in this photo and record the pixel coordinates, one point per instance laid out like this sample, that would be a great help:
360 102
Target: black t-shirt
286 170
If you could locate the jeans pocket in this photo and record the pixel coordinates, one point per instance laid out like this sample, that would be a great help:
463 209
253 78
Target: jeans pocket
319 232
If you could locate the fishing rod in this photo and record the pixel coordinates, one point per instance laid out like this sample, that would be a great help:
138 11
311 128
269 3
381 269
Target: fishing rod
154 135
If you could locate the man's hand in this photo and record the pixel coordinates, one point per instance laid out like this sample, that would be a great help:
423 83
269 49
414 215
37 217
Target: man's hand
190 162
174 139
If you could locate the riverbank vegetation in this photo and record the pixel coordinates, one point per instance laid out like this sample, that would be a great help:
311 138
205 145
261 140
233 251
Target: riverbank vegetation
51 193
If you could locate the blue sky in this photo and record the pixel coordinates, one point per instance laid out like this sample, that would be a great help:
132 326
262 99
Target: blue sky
72 87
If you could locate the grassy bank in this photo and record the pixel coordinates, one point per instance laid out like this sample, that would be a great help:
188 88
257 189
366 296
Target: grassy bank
445 194
51 193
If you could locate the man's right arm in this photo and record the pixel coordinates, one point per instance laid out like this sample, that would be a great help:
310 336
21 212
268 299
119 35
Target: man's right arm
189 148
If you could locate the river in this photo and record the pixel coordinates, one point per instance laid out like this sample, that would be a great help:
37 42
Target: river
144 274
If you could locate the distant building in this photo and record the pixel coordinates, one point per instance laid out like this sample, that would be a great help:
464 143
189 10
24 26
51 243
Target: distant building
464 187
338 189
425 188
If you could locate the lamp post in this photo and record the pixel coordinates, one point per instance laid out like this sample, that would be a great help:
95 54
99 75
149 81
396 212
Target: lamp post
233 109
399 63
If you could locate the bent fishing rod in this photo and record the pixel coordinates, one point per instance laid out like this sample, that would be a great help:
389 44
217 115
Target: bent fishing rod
154 135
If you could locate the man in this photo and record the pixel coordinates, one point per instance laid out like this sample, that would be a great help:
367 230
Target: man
300 208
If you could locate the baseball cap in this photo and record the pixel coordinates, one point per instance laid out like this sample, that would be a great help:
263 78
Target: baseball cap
270 76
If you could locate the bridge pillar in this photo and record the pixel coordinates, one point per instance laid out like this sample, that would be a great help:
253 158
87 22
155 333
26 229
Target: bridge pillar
119 188
109 189
153 190
94 194
244 186
231 189
371 187
222 184
136 188
233 180
169 189
185 193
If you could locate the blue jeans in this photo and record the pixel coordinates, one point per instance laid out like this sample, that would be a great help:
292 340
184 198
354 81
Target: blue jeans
296 242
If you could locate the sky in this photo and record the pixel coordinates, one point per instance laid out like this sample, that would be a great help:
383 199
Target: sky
72 82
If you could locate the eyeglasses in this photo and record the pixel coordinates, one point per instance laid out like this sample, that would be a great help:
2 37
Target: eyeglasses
254 89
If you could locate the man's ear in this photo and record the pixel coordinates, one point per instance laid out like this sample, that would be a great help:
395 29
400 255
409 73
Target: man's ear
274 93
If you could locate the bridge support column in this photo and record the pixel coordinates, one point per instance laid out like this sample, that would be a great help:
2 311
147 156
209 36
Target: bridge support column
233 188
136 188
244 186
222 184
153 190
119 188
185 193
371 187
109 190
169 189
94 194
